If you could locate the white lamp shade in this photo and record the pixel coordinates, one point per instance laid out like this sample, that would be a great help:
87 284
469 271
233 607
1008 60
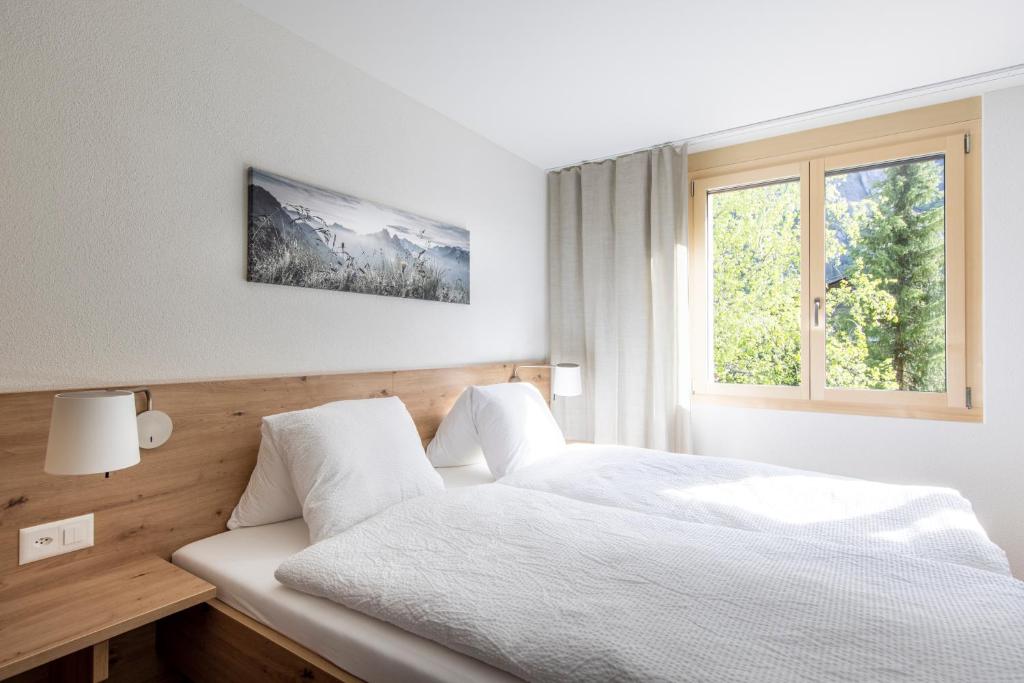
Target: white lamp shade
92 432
565 380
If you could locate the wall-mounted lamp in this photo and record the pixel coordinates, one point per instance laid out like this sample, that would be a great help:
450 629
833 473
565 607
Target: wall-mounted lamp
565 378
98 431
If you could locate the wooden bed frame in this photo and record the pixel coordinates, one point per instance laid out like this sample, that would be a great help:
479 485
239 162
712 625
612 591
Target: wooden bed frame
186 490
214 642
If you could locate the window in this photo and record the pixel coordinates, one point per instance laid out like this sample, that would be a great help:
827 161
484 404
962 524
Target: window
837 279
885 267
754 238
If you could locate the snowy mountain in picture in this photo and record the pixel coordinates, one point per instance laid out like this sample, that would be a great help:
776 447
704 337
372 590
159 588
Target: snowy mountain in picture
305 236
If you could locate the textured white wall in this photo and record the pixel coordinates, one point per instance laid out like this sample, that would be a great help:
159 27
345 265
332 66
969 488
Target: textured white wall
125 133
984 461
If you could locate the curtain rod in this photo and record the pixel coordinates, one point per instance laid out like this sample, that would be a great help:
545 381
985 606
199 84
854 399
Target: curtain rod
939 87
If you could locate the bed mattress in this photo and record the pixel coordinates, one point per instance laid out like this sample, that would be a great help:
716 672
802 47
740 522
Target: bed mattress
241 563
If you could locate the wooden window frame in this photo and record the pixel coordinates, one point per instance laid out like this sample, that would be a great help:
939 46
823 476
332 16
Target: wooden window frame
700 284
809 155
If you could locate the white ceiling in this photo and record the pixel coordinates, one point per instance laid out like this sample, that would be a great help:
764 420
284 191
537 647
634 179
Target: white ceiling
559 81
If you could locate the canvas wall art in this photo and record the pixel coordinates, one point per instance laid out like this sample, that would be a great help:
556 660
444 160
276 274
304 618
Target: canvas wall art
306 236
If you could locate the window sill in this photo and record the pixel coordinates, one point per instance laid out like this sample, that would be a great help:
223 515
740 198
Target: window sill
873 410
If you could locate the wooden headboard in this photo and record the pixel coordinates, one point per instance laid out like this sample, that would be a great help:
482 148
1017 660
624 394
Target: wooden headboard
186 489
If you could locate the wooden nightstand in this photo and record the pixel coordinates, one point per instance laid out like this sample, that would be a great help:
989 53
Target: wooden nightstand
67 624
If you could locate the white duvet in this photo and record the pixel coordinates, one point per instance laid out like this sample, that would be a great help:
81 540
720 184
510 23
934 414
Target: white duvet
555 589
928 522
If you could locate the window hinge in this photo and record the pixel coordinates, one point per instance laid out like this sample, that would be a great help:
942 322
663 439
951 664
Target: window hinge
967 143
967 398
692 187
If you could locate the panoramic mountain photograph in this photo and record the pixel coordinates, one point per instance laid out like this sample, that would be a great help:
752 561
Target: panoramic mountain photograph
305 236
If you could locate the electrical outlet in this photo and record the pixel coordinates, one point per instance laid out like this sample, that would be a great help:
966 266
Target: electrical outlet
55 538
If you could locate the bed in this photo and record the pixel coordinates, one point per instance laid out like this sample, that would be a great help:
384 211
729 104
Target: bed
550 588
959 615
583 563
241 563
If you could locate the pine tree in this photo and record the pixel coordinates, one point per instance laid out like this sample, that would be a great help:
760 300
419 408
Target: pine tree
895 286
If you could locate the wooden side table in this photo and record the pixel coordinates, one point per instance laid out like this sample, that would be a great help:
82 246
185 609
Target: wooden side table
67 625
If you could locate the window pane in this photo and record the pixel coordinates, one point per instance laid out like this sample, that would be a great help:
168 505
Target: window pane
885 275
755 244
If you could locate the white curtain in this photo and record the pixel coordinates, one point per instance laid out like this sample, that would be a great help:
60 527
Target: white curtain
618 297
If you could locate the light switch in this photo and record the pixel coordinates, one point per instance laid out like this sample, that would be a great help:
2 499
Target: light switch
72 534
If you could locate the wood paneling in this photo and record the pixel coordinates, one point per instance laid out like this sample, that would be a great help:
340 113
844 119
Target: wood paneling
214 642
89 606
186 489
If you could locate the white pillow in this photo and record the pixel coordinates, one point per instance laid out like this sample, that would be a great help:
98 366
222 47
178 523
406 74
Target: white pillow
515 426
269 497
456 442
351 459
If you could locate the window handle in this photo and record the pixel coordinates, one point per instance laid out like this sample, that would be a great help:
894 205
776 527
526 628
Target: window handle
817 311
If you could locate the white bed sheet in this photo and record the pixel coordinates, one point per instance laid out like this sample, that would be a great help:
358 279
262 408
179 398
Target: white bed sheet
241 563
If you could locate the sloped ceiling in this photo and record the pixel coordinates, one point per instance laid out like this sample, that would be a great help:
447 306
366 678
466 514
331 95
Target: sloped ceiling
559 81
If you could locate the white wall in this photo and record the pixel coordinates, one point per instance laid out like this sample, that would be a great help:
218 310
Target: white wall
984 461
125 133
